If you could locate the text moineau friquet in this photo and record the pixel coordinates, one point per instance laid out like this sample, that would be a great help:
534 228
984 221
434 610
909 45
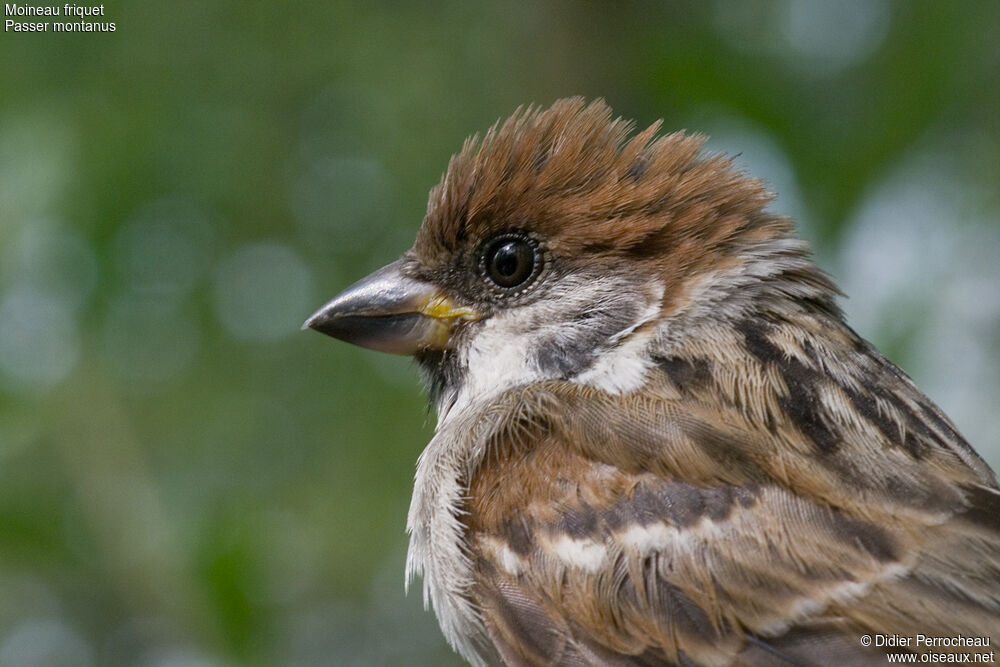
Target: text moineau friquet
75 18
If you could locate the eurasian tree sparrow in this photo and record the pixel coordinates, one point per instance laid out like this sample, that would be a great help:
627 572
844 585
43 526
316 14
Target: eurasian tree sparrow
658 442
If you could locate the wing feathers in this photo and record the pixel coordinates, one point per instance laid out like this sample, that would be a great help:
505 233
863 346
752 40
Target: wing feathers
669 528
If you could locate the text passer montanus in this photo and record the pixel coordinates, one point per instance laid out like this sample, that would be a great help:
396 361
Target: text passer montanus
658 443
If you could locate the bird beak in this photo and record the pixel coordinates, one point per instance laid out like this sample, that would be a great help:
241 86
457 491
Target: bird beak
390 312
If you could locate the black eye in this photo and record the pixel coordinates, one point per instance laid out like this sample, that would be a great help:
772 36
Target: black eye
510 261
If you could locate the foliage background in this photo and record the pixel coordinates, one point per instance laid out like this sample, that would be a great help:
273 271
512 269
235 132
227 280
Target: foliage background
187 479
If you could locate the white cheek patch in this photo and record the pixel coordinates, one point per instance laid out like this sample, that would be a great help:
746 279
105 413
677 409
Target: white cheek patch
495 361
505 350
502 354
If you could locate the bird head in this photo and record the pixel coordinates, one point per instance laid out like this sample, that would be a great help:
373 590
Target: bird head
561 244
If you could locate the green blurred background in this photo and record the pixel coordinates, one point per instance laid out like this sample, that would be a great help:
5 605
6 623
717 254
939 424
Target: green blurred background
188 479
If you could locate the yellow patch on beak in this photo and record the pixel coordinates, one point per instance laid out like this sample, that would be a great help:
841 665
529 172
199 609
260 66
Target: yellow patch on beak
440 307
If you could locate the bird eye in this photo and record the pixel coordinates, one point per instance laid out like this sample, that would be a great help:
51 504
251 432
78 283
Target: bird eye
510 260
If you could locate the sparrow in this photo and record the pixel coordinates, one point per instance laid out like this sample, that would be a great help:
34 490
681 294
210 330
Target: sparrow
658 442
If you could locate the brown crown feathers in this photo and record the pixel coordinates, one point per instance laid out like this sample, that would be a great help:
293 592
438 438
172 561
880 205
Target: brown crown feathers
573 175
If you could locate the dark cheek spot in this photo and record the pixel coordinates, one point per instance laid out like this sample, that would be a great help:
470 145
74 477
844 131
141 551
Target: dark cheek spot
564 360
577 346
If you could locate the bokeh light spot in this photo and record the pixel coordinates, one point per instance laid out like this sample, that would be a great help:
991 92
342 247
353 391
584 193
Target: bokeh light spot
37 153
338 201
165 248
180 657
833 35
149 340
39 344
43 643
813 38
263 292
52 258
